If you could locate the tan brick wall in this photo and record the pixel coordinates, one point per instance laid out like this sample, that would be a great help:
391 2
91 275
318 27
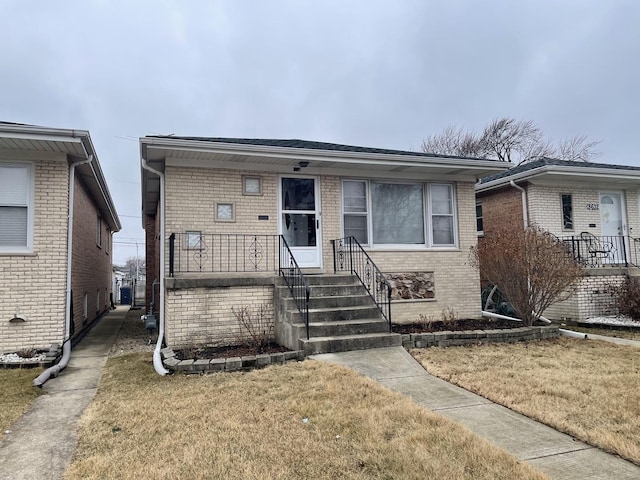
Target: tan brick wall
545 209
90 263
205 315
35 284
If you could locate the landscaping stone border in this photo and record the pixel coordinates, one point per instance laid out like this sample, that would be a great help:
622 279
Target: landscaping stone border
51 358
232 364
470 337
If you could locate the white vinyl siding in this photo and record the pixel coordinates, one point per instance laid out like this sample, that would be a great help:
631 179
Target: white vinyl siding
16 208
399 214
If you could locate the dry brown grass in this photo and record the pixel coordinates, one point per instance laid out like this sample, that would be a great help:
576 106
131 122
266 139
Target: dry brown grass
250 425
586 388
17 393
628 334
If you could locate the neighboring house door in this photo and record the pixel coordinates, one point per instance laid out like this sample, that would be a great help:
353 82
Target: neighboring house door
300 219
614 225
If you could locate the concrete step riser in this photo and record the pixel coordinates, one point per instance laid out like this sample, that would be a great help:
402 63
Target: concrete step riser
334 302
331 280
333 330
344 314
338 344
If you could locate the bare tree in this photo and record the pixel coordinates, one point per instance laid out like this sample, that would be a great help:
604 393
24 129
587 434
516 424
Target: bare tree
531 267
509 140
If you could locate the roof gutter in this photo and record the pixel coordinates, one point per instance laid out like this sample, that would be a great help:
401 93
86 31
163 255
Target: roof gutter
525 213
157 360
66 344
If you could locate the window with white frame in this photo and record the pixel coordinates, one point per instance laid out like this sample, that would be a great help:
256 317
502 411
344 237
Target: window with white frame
16 207
379 213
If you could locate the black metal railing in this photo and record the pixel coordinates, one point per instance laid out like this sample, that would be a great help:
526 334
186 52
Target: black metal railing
194 252
349 256
594 251
295 280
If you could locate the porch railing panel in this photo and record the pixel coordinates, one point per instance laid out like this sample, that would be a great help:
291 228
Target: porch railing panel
349 256
603 251
296 281
222 253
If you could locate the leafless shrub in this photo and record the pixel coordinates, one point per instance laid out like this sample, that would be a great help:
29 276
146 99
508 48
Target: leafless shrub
255 328
531 267
626 297
426 322
28 352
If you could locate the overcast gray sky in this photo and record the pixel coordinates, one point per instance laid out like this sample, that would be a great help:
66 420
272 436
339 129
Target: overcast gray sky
370 73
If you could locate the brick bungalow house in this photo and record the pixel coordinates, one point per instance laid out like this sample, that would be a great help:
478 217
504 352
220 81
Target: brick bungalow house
236 222
56 224
593 207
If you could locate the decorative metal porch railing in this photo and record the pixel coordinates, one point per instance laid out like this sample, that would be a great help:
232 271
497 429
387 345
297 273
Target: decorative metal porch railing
194 252
594 251
349 256
296 282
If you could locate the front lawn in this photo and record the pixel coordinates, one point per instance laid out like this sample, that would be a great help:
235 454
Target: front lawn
586 388
16 393
302 420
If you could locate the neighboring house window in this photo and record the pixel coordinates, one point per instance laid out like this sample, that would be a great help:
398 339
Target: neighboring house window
97 300
252 185
399 213
106 240
85 307
479 223
16 207
99 231
567 212
194 240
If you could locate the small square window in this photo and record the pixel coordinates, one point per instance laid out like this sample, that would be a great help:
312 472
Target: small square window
225 212
252 185
194 240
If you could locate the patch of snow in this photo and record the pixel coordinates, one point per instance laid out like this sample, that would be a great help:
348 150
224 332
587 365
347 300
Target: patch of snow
619 320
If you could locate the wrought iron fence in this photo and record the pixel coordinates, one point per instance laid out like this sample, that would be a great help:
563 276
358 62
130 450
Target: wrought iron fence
349 256
603 251
195 252
296 281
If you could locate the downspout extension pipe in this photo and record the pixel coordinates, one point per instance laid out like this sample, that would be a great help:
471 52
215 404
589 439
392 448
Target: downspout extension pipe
66 345
525 213
157 359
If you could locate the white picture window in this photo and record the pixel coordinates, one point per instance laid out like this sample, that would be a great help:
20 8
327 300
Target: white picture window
16 207
418 214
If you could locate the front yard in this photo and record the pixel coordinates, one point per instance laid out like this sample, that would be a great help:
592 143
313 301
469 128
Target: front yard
302 420
17 393
588 389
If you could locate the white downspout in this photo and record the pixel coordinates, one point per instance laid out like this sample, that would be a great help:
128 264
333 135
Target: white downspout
157 360
66 344
525 213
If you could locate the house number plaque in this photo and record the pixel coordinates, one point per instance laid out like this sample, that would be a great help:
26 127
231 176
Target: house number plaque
593 206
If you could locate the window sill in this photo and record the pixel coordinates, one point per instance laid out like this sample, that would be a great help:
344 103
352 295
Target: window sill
15 253
397 248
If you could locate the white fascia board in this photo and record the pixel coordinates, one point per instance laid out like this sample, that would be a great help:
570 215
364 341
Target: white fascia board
344 171
562 170
336 156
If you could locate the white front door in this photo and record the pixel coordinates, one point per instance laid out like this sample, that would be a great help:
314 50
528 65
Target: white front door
614 225
300 219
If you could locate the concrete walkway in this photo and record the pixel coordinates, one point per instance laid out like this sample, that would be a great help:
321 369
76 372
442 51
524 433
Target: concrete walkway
592 336
41 444
554 453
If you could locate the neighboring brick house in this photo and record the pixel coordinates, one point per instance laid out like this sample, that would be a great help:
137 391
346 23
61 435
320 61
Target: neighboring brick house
593 207
230 203
40 170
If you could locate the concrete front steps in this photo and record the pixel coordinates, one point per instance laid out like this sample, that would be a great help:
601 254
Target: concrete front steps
342 317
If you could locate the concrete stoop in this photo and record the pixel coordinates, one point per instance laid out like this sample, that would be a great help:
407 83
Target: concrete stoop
342 317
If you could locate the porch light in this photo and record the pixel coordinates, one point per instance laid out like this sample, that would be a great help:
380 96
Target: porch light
303 164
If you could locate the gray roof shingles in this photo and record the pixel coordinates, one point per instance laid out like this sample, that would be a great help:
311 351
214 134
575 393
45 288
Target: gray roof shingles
306 144
542 162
